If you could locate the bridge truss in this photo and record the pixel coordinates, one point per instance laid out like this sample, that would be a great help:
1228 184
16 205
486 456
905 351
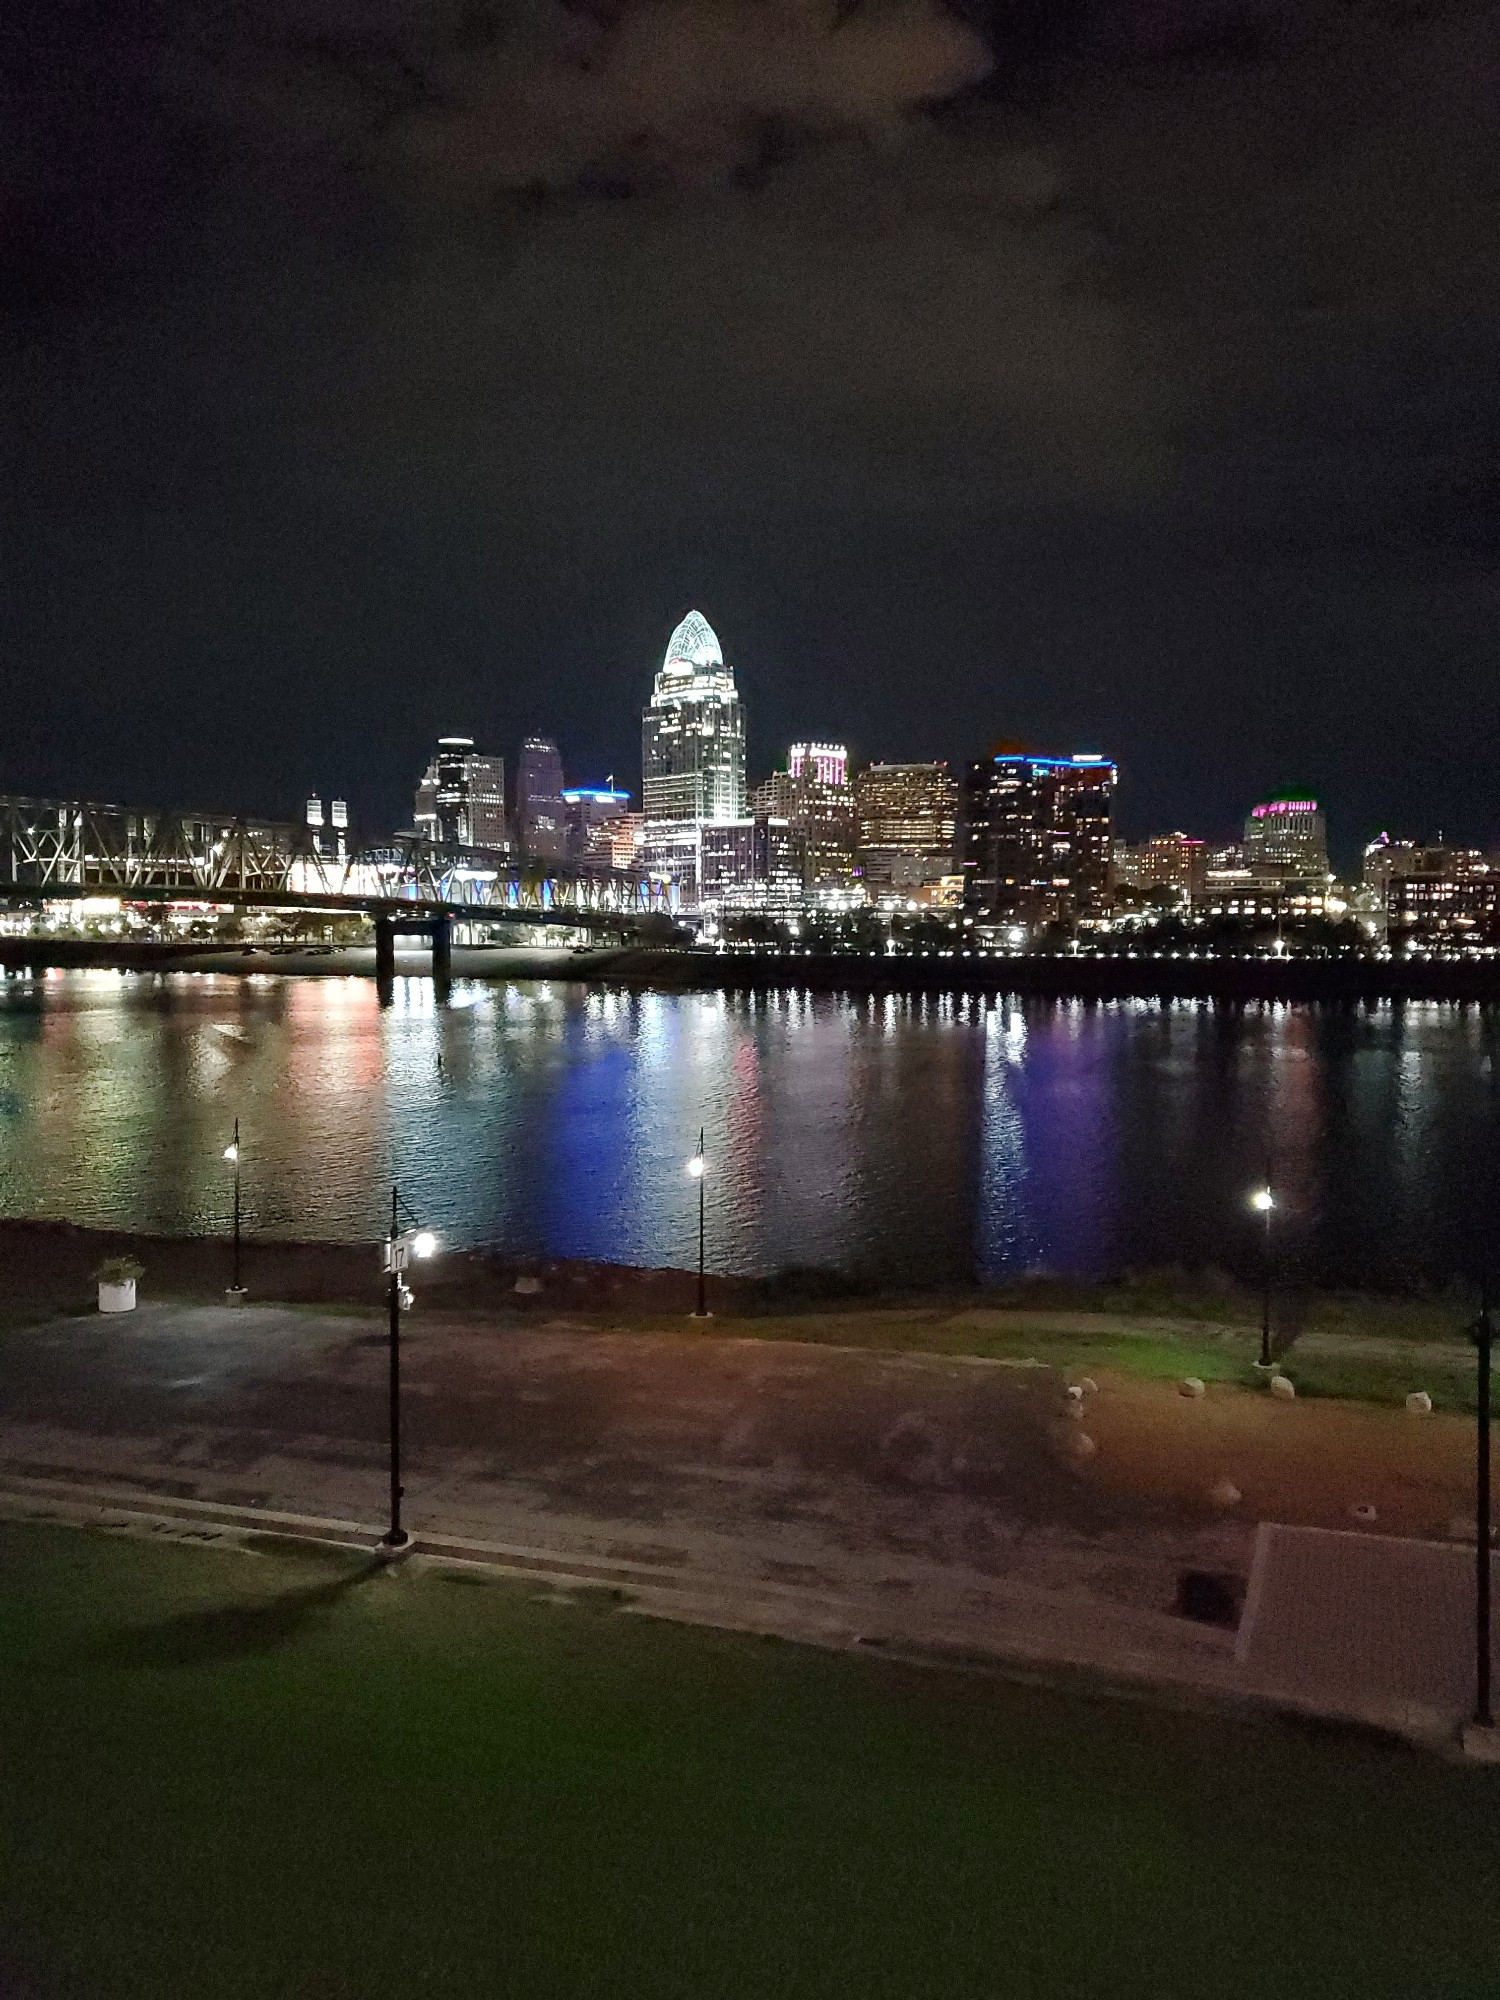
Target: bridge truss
71 848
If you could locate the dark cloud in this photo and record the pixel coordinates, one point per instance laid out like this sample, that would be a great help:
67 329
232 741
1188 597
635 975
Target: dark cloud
1143 394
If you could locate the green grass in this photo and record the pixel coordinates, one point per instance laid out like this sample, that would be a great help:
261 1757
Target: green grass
1149 1350
287 1774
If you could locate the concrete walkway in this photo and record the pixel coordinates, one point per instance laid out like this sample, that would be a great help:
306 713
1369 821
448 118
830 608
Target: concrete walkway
905 1501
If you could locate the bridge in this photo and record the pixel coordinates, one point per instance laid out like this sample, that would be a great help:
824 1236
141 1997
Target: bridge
71 849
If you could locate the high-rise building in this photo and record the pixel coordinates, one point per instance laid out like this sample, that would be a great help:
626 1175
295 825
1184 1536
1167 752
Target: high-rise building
749 864
776 795
692 754
461 799
1037 837
1171 861
827 763
592 817
906 820
627 833
814 796
541 818
1286 837
693 732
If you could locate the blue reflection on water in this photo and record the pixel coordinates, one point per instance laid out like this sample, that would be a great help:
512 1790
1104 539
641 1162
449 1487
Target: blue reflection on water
923 1138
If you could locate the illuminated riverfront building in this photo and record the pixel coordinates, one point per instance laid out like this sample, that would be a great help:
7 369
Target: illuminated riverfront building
1168 861
1286 836
906 818
461 799
692 753
593 815
750 864
823 763
1037 837
1435 894
693 732
822 821
541 818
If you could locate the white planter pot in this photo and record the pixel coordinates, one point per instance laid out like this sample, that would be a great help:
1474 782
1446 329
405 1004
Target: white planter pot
117 1298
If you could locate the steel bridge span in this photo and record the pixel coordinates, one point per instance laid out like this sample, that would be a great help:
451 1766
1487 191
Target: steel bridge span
66 849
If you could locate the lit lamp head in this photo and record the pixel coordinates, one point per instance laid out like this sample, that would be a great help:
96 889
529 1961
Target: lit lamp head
1263 1201
232 1154
697 1167
424 1244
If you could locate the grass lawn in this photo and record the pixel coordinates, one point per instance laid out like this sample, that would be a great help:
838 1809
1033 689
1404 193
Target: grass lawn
285 1773
1157 1349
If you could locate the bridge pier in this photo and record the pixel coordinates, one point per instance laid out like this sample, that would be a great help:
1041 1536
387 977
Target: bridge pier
442 949
385 957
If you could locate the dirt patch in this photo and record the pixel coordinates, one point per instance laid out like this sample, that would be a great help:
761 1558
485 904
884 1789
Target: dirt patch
1305 1462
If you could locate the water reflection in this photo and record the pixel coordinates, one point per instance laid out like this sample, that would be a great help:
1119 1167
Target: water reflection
926 1138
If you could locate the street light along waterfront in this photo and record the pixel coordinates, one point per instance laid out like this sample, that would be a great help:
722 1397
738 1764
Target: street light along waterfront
1264 1203
698 1170
232 1155
400 1248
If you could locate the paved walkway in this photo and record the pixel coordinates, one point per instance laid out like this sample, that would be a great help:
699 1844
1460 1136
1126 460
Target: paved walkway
907 1501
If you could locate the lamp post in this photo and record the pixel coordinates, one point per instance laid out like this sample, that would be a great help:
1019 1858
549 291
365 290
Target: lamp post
236 1293
1482 1334
1264 1204
697 1168
401 1246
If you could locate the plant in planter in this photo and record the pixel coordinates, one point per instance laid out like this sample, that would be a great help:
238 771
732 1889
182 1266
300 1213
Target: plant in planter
116 1278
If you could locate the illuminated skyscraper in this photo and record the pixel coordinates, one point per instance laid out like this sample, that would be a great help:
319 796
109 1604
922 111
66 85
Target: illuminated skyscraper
693 732
461 799
1287 836
828 763
541 817
907 818
692 753
593 816
1037 837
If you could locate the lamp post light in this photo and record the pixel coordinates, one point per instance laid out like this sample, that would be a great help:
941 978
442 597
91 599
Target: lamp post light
236 1292
1264 1204
697 1168
401 1246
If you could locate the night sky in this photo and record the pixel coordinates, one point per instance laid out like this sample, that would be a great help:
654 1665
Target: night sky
1117 376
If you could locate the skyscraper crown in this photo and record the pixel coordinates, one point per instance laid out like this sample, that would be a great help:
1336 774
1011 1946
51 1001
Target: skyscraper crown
693 645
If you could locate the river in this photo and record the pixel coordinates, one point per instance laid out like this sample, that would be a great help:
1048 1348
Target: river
914 1138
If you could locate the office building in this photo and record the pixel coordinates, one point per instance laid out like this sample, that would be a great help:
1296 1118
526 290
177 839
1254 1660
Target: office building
813 795
823 823
1037 837
749 864
775 796
627 833
1170 862
592 816
906 822
541 817
692 754
461 799
693 732
1437 894
825 763
1286 837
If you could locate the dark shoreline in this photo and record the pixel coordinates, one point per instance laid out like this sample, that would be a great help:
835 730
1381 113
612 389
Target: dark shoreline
1354 980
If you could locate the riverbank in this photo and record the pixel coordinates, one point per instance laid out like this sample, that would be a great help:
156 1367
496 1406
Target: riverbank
1059 976
1154 1327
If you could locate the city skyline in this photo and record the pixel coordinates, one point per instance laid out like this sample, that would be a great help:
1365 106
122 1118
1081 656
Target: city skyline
695 647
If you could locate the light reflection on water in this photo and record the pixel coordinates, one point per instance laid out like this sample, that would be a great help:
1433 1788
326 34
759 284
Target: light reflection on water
925 1138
